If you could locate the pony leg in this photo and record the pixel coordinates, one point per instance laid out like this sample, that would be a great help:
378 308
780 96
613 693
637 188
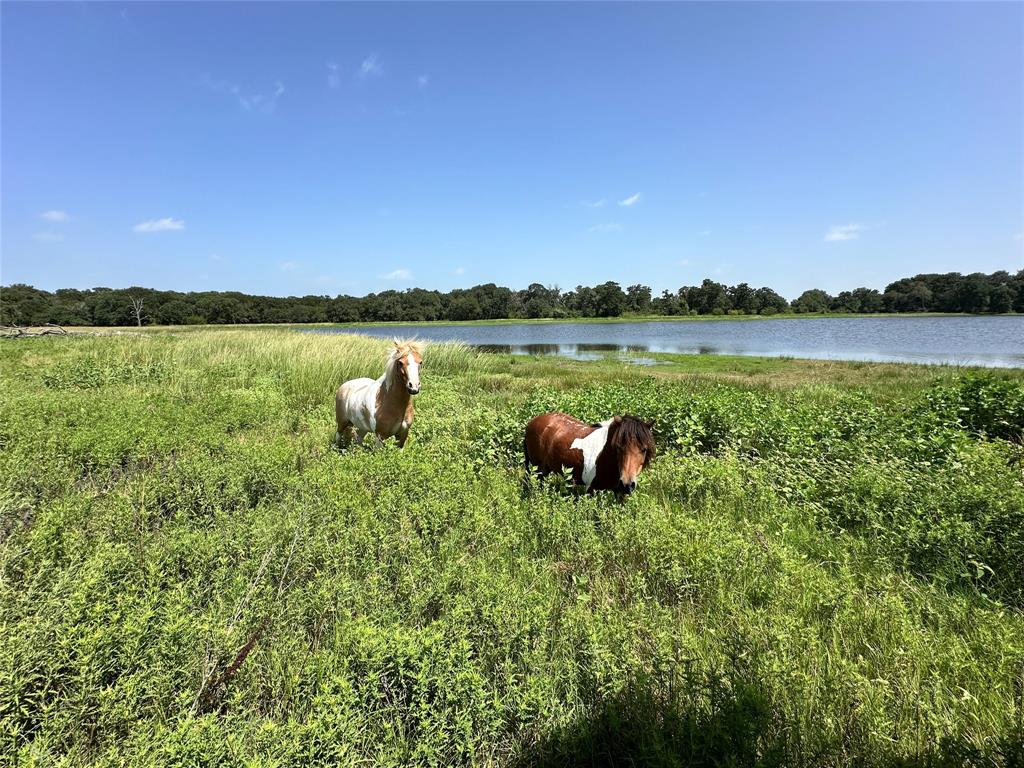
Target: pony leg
401 436
360 434
528 472
344 434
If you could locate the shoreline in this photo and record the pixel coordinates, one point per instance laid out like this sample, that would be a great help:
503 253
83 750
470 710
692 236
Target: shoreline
621 319
660 361
637 319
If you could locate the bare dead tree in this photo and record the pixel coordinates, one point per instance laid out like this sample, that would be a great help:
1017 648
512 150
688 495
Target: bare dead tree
137 310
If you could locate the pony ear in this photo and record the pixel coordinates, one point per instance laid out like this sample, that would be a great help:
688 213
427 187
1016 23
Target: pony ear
649 424
617 419
395 341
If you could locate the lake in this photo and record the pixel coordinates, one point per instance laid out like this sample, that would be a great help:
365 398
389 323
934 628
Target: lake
973 340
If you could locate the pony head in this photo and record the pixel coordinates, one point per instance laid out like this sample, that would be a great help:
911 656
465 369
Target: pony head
632 440
405 358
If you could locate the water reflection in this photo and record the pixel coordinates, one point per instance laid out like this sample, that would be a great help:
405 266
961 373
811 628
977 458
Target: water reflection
591 351
585 351
592 347
522 349
993 341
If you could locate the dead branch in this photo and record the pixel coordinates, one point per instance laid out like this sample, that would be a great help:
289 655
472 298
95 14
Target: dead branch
24 331
212 681
214 687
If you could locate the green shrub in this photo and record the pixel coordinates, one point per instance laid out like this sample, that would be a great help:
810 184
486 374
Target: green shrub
982 403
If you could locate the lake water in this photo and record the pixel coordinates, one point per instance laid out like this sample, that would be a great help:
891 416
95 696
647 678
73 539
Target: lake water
987 341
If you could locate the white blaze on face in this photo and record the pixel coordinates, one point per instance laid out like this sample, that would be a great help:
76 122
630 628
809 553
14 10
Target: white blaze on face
591 446
412 372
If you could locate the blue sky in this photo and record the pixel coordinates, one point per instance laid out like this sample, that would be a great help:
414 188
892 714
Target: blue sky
348 148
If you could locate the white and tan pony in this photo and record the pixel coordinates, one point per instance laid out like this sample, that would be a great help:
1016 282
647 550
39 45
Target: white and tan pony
381 406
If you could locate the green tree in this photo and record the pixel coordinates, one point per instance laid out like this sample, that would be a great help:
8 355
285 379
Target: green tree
582 302
667 304
1001 299
973 294
344 309
539 301
1017 283
610 300
710 298
867 300
175 312
22 304
109 307
845 302
814 300
69 307
638 299
770 302
465 306
744 298
919 297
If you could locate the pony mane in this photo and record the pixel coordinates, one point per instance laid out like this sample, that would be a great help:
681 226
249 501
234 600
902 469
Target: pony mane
403 347
632 430
400 348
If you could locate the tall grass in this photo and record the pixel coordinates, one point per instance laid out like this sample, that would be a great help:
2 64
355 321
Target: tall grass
190 574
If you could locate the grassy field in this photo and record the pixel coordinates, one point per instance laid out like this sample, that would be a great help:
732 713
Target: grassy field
823 566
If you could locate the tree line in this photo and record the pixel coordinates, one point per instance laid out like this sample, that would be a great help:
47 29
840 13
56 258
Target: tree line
976 293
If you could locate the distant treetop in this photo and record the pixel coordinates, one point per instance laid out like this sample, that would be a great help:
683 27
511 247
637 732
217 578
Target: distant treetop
976 293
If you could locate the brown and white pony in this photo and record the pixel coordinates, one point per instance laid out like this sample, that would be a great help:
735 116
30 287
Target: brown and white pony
605 456
381 406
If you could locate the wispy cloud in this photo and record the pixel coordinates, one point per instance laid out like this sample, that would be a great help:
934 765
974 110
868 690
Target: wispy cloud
221 86
609 226
370 67
459 271
54 216
594 204
398 274
333 79
842 232
48 237
160 225
631 200
288 266
705 232
216 257
1019 236
685 262
265 102
423 80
